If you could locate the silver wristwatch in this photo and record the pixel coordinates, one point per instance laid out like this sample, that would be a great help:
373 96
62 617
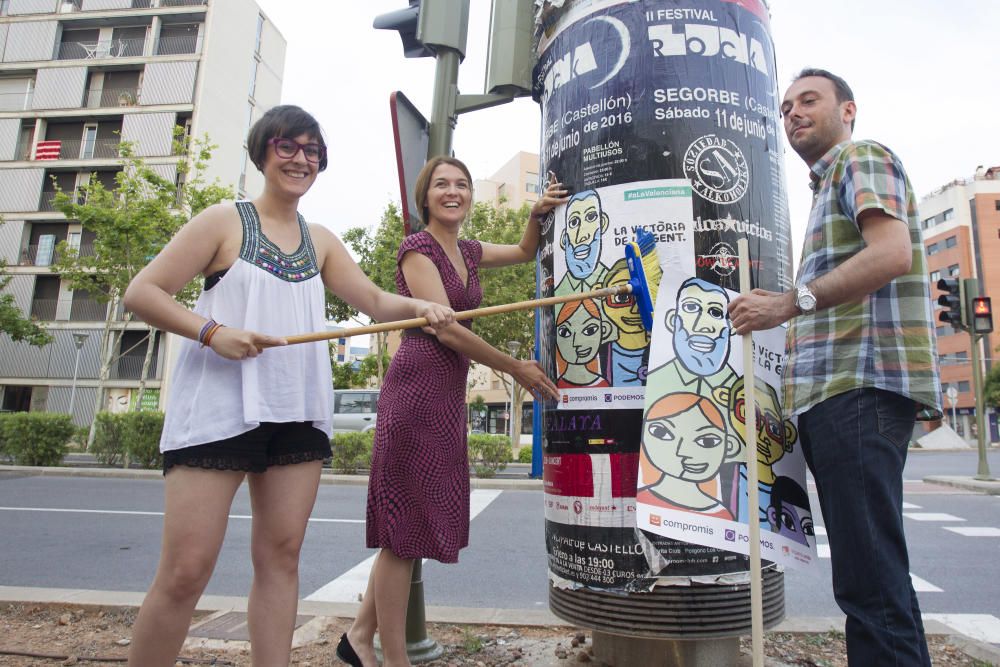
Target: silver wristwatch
805 300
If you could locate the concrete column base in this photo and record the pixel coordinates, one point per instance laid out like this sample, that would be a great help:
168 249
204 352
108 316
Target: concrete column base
622 651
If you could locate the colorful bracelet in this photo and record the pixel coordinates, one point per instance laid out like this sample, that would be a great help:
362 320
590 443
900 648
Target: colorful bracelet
204 330
207 338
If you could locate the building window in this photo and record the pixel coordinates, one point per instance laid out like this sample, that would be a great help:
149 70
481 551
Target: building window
260 31
177 39
944 331
531 183
935 276
996 204
948 215
963 385
253 75
953 270
928 223
951 242
932 249
962 356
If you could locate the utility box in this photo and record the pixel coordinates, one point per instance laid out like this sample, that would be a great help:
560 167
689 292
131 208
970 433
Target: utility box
510 55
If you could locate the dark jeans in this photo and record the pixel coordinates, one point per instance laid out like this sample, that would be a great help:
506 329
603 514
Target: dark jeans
855 445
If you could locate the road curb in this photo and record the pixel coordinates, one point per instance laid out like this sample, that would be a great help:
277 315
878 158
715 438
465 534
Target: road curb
990 486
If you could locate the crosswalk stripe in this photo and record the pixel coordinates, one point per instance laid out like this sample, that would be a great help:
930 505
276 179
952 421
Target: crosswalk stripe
982 627
349 586
910 506
922 585
974 531
932 516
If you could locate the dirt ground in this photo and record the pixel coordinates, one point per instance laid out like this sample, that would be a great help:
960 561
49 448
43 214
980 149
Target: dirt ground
58 634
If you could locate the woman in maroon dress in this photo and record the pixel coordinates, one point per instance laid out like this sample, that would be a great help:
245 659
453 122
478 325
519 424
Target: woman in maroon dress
418 493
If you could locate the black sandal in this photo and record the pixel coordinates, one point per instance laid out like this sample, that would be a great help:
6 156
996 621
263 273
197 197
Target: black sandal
346 652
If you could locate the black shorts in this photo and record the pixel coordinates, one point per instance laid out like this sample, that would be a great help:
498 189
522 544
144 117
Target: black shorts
270 444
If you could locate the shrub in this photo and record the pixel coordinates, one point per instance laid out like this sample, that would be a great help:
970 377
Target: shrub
351 451
4 456
128 436
489 454
109 440
141 432
36 438
524 455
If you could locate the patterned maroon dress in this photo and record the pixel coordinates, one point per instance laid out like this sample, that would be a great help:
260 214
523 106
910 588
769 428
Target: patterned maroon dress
418 493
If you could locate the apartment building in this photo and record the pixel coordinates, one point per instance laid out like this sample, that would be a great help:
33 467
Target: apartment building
513 184
77 77
961 227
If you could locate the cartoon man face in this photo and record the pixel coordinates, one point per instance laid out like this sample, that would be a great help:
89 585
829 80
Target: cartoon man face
787 512
700 326
686 438
581 238
579 336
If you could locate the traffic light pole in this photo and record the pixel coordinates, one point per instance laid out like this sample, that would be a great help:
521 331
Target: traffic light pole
983 470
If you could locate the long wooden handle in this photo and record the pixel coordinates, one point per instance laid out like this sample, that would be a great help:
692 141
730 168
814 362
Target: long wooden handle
459 316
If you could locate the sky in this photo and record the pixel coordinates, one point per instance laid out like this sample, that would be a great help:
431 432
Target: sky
924 74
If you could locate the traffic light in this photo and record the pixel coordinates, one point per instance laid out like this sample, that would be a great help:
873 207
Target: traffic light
405 22
953 302
428 25
982 315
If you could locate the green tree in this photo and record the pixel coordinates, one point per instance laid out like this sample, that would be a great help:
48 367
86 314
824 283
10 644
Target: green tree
991 390
375 251
131 223
12 320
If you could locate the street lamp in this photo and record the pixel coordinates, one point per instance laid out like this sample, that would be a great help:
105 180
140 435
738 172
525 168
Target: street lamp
513 346
78 339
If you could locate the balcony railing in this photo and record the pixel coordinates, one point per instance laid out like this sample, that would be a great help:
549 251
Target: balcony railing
181 3
80 149
106 48
73 6
29 256
87 310
43 310
129 367
16 101
127 96
47 201
174 46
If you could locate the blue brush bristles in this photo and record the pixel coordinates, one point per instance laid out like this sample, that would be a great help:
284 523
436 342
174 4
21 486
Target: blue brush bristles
644 246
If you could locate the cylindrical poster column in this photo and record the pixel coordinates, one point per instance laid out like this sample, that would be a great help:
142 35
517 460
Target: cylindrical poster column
660 114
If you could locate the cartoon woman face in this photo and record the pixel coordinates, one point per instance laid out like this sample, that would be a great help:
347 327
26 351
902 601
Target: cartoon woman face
579 336
689 445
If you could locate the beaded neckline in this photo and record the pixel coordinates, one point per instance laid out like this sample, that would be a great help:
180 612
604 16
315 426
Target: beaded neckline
262 253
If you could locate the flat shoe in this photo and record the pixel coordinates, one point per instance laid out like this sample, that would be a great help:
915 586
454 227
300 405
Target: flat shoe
346 652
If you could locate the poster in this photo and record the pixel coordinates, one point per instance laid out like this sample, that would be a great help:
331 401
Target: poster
692 482
662 97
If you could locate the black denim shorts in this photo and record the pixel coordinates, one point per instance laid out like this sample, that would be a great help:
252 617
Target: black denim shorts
270 444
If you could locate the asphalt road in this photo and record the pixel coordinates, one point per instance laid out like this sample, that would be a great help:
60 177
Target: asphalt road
99 533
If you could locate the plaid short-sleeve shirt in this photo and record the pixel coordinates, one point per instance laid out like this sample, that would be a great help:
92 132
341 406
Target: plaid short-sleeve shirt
885 340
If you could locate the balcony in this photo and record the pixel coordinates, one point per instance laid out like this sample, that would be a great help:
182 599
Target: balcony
44 310
20 101
29 256
106 48
77 149
176 46
129 367
112 97
88 310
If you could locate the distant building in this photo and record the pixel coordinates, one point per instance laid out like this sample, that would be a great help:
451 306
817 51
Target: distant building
76 78
961 227
514 184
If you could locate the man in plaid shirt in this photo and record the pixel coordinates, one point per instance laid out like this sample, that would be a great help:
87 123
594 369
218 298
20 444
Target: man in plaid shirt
860 361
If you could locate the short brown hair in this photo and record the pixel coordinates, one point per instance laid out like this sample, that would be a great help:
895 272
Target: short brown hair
284 121
423 183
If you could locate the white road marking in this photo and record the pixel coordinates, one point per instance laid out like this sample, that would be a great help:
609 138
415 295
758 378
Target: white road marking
132 513
922 585
931 516
982 627
910 506
351 585
974 531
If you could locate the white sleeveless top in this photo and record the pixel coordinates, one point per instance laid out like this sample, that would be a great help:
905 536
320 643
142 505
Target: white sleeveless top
265 290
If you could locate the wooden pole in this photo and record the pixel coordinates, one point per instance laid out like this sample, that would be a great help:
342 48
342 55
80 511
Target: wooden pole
753 499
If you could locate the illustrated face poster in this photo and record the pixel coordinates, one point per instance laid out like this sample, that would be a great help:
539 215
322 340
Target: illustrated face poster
692 483
602 349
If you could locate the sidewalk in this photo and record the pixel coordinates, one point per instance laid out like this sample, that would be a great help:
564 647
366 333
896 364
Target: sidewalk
317 614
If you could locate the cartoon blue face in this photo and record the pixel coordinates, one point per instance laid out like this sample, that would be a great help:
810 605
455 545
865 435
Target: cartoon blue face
582 237
701 329
794 523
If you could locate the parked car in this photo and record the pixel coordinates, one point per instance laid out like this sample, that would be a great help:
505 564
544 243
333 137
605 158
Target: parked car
354 409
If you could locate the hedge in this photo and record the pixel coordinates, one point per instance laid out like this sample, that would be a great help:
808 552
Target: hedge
35 438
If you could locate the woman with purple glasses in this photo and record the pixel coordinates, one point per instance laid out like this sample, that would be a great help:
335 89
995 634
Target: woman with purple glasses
242 405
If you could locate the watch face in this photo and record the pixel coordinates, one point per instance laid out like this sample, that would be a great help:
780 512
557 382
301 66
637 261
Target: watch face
806 302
